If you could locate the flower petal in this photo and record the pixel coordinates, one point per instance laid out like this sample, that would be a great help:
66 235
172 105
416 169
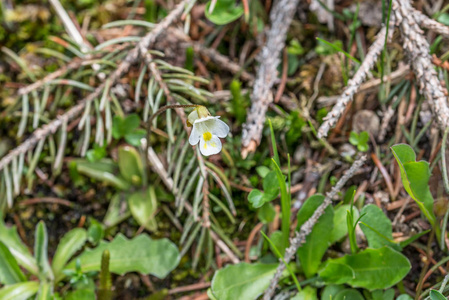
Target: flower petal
194 136
211 147
219 128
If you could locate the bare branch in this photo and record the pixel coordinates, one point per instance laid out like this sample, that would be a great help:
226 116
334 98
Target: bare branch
306 228
417 48
354 84
428 23
281 16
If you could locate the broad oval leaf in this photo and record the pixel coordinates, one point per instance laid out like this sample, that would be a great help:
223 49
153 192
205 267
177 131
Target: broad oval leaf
382 235
140 254
347 294
224 12
143 205
330 291
19 291
10 272
130 165
372 269
242 281
436 295
70 243
415 178
317 242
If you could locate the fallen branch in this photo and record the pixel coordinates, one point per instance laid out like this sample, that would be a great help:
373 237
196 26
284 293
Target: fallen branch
306 228
281 16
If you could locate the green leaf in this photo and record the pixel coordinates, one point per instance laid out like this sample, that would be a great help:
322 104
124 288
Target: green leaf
10 272
256 198
118 210
354 138
362 147
134 138
143 205
404 297
41 251
95 232
266 213
285 206
383 234
19 291
330 291
10 238
415 177
383 295
271 184
225 11
263 171
363 137
317 242
443 18
340 228
413 238
242 281
436 295
96 154
140 254
307 293
81 294
371 269
347 294
130 165
123 126
70 243
277 240
45 291
95 171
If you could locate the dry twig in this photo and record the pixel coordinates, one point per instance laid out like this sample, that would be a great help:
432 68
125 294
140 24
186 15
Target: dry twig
281 16
354 84
306 228
417 49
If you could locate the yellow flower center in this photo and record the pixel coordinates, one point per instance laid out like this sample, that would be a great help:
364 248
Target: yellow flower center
207 136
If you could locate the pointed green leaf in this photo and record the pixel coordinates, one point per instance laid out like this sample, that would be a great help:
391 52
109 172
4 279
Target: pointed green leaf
10 272
436 295
317 242
10 238
45 291
415 178
143 206
19 291
340 229
70 243
375 218
41 251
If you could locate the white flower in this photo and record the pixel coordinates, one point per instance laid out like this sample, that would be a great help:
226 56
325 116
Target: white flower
207 131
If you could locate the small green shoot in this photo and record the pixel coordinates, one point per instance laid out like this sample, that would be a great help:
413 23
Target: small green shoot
359 140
